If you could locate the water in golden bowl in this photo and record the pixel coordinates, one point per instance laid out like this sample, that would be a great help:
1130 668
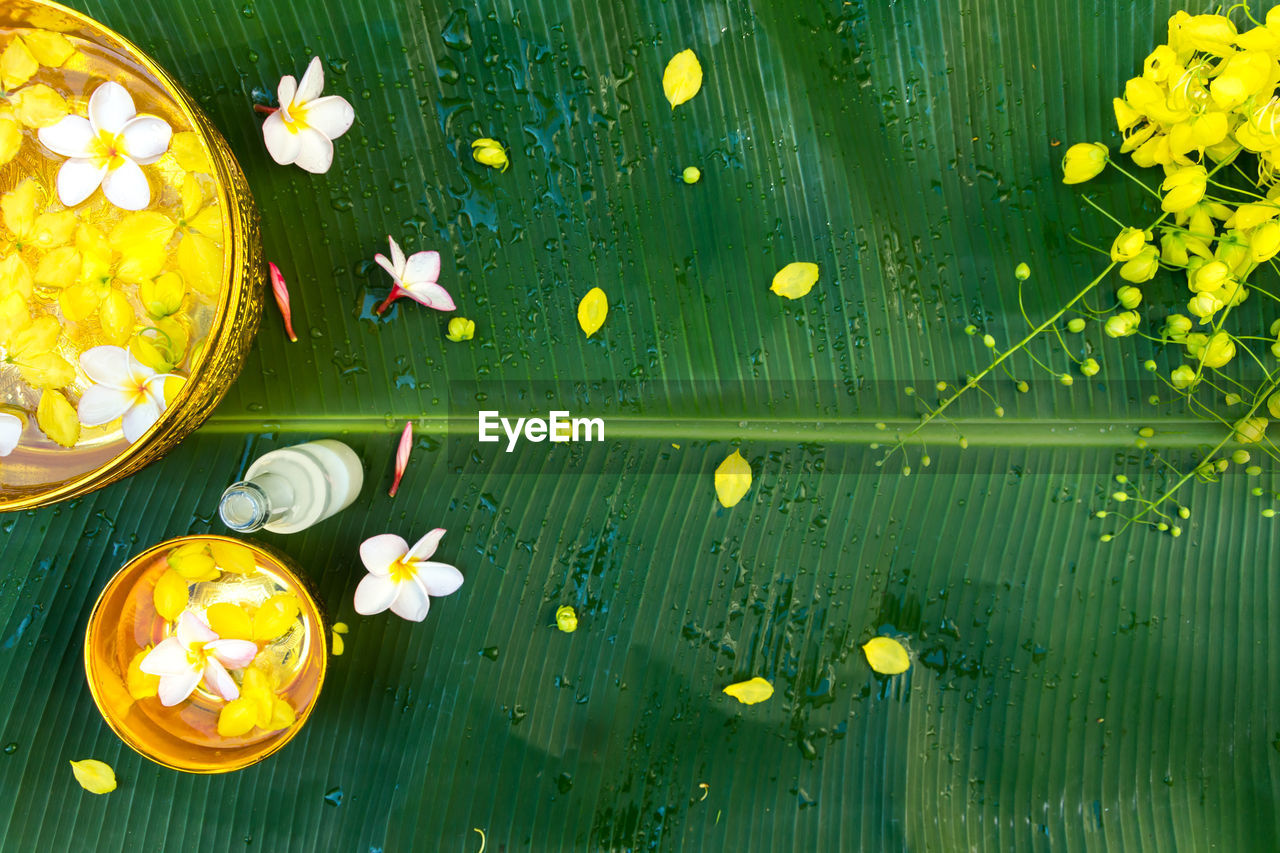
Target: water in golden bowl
206 598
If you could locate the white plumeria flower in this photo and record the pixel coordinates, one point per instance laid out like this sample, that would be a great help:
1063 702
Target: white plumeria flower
107 149
414 277
10 432
123 387
302 130
195 653
401 577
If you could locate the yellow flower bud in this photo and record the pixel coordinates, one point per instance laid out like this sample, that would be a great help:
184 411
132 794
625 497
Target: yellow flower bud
1219 350
1130 297
1142 268
1253 214
1250 430
1128 243
1184 188
1122 325
1264 243
691 175
1208 33
566 619
1126 116
1273 402
1204 305
1183 377
1076 324
1175 326
489 152
1210 277
461 329
1153 152
1083 161
1090 367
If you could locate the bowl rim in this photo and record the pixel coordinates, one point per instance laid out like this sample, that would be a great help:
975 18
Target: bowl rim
275 746
233 283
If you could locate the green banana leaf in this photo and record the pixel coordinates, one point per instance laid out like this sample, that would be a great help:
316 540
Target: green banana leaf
1065 694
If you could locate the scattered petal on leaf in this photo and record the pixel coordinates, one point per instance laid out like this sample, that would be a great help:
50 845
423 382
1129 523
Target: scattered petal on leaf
338 645
94 776
750 692
566 619
733 479
795 280
592 310
402 456
886 656
683 78
281 292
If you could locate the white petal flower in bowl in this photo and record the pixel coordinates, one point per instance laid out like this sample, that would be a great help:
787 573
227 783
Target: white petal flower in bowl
107 149
415 277
302 130
196 653
123 387
10 432
401 577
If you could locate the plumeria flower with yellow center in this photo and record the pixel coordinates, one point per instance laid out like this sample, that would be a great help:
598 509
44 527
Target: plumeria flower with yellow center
123 387
403 578
107 149
301 131
11 427
194 654
414 277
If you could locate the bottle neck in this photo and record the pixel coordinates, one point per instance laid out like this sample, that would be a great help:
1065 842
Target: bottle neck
250 505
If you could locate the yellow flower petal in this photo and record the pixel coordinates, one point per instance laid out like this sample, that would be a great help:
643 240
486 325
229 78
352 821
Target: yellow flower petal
10 140
58 419
208 222
189 151
17 65
15 276
282 716
170 595
886 656
733 479
141 239
750 692
14 316
53 229
18 209
49 48
229 621
141 685
259 689
566 619
200 262
193 562
795 279
59 269
237 718
233 558
117 317
337 646
94 776
162 295
276 615
39 106
592 310
682 78
77 301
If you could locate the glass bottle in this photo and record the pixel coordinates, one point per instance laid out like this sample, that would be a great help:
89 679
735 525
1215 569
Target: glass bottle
292 488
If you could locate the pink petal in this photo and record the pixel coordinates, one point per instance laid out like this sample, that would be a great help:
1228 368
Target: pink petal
140 418
110 108
146 138
431 295
411 602
102 404
438 578
10 432
316 152
402 456
281 292
422 267
426 546
107 365
72 136
77 180
282 143
331 115
219 680
174 688
379 552
285 91
312 83
375 594
192 629
169 657
236 654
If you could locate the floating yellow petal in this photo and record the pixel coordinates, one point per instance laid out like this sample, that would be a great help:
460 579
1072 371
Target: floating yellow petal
233 558
275 616
17 65
141 685
886 656
188 150
282 716
238 717
193 562
58 419
170 595
10 139
750 692
39 106
592 310
229 621
49 48
566 619
683 78
94 776
733 479
795 280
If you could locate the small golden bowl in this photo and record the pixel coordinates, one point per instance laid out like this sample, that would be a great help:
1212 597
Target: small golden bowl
220 315
124 624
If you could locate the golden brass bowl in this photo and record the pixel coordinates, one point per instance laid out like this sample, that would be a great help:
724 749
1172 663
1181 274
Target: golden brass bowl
124 622
232 313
